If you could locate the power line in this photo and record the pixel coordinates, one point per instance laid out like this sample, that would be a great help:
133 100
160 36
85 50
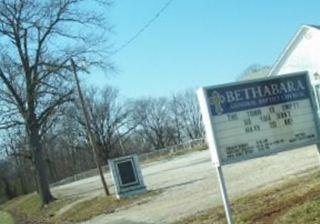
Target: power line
143 28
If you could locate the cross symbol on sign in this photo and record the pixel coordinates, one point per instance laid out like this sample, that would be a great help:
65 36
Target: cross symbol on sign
216 100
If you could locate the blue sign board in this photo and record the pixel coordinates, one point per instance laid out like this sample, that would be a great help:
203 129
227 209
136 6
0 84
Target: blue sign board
234 98
259 117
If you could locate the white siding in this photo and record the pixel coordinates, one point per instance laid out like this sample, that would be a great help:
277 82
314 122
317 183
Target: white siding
304 56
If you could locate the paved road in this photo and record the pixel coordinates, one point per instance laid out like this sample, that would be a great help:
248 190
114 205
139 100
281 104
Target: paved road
189 184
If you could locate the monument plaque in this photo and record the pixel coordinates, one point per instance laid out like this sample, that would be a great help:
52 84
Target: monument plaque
126 175
126 171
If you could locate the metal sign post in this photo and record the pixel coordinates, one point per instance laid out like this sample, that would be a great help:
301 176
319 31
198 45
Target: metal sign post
225 199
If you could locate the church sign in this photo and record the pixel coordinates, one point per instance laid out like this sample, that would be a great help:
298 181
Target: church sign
259 117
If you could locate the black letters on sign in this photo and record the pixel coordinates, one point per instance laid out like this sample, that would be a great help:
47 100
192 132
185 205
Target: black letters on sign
126 172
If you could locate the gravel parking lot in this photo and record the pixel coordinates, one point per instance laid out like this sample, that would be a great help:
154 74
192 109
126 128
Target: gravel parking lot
189 185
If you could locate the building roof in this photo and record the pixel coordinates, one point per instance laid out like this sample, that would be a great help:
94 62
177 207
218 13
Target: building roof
290 47
267 71
313 26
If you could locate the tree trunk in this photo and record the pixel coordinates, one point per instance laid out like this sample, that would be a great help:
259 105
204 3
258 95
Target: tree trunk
41 171
8 189
24 189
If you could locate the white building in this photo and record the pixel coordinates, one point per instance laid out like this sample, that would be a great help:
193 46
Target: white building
302 54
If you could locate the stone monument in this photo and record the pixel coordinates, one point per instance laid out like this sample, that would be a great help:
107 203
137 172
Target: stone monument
127 176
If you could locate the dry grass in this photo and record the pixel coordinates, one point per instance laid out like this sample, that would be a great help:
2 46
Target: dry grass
29 210
103 205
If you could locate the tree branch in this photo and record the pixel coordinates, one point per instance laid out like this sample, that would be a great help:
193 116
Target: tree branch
14 93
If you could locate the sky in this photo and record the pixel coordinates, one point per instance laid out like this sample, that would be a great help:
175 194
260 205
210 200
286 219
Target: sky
196 43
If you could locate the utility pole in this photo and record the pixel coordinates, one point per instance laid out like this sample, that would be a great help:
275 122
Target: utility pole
89 131
121 144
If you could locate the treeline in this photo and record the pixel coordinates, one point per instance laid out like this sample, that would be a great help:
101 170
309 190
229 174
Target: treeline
121 126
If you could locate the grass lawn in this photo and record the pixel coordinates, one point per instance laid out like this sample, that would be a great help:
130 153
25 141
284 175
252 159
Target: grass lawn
296 200
5 218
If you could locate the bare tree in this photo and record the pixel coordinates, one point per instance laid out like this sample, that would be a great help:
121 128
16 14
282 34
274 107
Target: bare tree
13 143
187 115
168 121
155 123
111 119
66 149
5 175
37 40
